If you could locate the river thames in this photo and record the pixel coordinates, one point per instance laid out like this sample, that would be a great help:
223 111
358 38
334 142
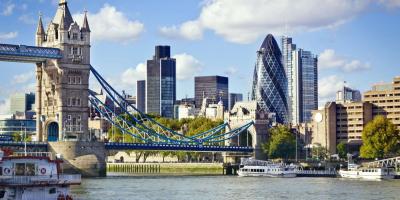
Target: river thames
232 187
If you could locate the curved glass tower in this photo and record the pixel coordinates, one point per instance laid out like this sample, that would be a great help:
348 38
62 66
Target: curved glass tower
269 81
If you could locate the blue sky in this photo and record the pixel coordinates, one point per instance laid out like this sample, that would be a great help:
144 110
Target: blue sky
357 40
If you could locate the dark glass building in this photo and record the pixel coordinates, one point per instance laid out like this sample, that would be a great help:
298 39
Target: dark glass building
161 83
233 98
212 87
141 95
269 81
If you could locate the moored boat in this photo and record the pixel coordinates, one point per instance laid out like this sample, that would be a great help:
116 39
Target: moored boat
372 173
34 176
252 167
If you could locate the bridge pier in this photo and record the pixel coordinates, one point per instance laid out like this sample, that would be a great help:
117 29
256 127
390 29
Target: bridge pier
86 158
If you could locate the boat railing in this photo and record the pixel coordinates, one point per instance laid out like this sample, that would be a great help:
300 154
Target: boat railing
33 154
35 180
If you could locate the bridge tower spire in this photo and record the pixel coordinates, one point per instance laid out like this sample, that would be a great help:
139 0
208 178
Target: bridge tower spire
40 34
62 91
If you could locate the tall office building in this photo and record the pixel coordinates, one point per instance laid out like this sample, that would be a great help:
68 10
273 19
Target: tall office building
161 83
233 98
269 80
141 95
301 68
213 88
21 102
347 94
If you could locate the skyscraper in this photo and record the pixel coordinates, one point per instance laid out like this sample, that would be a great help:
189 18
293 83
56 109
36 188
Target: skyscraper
161 83
141 95
212 87
347 94
233 98
269 80
304 86
302 75
21 102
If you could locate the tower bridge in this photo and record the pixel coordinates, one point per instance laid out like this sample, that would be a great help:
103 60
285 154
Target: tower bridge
62 60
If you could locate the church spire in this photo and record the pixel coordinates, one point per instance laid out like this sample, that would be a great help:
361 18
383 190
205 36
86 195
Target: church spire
85 26
40 29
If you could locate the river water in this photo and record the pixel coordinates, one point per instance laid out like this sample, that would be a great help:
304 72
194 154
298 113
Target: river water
232 187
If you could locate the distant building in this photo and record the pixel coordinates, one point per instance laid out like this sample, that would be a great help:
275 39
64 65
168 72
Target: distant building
141 95
10 126
347 94
233 98
22 103
161 83
214 88
186 111
186 101
301 68
269 88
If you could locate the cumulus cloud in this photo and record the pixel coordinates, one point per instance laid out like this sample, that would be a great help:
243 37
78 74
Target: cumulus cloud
327 88
23 78
190 30
243 21
109 24
328 59
8 36
131 75
8 10
187 66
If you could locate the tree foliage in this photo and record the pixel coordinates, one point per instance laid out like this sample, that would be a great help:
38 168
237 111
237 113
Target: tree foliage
281 144
319 152
380 139
342 149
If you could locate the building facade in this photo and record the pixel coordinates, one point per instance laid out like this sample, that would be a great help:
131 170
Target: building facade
340 122
10 126
233 98
269 81
161 83
347 94
214 88
141 95
22 103
62 85
386 100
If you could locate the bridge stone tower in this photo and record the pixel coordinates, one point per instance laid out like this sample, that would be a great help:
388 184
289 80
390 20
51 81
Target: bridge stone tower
62 85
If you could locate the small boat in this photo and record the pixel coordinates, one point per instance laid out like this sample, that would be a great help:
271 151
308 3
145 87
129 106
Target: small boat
252 167
34 176
355 171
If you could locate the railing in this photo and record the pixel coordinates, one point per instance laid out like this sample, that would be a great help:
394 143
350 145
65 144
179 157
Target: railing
22 50
35 180
34 154
316 172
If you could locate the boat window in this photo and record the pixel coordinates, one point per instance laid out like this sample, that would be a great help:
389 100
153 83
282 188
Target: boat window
262 170
30 169
52 190
1 171
19 169
2 194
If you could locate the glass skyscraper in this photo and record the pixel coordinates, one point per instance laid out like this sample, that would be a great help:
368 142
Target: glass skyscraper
301 69
269 80
213 88
161 83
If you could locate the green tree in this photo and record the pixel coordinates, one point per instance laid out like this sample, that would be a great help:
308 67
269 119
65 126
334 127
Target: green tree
19 137
319 152
380 139
342 149
281 144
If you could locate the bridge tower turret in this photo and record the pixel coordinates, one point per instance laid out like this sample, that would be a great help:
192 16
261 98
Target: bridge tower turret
62 85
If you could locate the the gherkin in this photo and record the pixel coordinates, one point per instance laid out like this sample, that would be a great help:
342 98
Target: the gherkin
269 81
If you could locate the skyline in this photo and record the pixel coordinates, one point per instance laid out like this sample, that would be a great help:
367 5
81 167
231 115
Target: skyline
352 43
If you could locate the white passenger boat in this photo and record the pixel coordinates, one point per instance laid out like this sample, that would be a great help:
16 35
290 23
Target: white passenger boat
252 167
372 173
34 176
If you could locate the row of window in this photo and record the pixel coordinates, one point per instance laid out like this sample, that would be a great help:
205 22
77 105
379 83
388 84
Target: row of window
350 137
74 80
383 95
73 101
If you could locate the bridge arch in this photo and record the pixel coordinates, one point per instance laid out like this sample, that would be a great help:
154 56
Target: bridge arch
52 132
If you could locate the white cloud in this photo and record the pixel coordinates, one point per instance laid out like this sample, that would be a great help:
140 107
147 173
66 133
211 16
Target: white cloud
131 75
243 21
109 24
328 59
27 19
23 78
190 30
8 36
327 88
8 10
231 71
390 3
4 107
187 66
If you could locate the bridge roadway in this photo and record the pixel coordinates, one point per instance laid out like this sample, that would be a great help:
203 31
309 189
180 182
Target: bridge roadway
31 54
142 146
